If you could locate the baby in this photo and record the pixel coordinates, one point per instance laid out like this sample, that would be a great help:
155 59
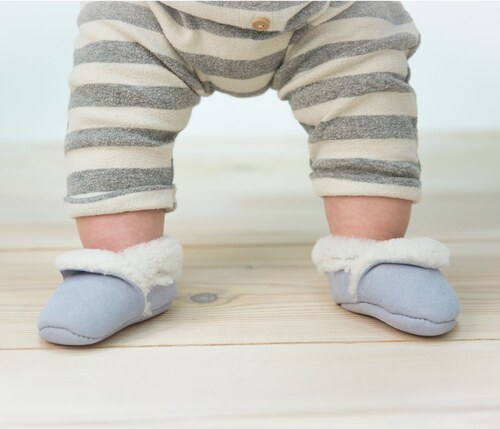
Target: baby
140 68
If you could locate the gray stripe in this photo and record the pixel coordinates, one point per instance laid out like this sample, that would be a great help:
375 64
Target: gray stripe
401 173
304 16
119 11
112 51
107 196
229 31
115 179
345 87
157 97
235 69
339 3
412 50
325 53
93 137
299 33
392 11
363 127
264 6
107 51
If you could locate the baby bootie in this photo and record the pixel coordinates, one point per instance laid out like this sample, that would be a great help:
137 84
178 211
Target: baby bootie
396 281
102 291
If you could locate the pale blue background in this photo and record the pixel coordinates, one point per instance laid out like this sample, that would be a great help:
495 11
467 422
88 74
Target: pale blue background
455 73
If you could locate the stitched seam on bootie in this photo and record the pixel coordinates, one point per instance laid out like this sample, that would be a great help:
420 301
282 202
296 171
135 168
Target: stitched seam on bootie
404 315
73 333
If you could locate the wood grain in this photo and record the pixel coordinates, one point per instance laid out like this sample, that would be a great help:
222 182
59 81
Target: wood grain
272 350
261 384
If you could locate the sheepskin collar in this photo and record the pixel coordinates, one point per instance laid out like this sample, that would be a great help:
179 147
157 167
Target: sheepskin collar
357 255
147 264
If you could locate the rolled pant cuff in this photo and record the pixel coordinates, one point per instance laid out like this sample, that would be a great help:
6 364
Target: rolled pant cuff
132 201
329 187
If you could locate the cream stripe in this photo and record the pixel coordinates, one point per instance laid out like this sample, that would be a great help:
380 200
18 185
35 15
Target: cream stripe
348 30
118 157
159 199
125 74
380 61
376 103
328 186
237 85
379 149
111 30
81 118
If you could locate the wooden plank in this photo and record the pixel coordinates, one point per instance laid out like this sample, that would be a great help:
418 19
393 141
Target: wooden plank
271 384
265 295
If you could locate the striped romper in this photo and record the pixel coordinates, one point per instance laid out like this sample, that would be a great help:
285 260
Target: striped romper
140 67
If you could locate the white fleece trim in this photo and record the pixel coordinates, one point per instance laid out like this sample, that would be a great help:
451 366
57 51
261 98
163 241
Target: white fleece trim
155 262
355 255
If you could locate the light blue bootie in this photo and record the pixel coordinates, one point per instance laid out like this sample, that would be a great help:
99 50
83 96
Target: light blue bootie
396 281
102 292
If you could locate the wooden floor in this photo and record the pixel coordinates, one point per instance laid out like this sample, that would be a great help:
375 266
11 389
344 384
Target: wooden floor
271 350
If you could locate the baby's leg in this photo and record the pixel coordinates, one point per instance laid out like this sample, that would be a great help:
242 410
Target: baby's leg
346 78
118 231
376 218
131 94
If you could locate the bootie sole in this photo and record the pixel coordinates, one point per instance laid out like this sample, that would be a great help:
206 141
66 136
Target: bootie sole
412 325
66 337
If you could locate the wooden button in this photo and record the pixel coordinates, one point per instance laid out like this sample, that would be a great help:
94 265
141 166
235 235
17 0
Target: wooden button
261 24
